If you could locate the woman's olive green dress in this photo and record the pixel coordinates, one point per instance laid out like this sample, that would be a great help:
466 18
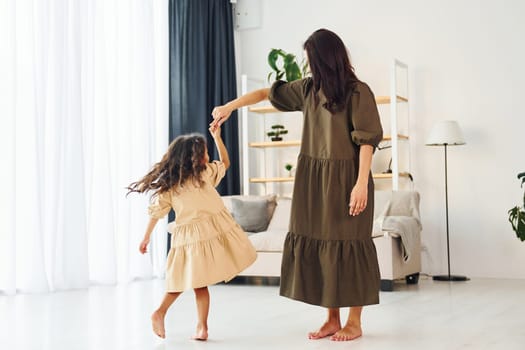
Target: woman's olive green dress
329 258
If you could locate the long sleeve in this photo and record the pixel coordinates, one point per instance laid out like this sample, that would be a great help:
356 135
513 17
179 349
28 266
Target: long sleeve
289 96
367 128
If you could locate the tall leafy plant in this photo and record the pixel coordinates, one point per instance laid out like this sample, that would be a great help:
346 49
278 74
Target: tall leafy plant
285 65
517 214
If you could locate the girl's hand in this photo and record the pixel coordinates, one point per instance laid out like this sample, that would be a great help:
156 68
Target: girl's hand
215 131
143 248
358 199
220 115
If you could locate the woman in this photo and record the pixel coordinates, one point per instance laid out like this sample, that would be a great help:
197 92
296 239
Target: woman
329 258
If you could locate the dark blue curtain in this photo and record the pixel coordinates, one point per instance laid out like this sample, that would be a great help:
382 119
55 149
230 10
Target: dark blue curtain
202 75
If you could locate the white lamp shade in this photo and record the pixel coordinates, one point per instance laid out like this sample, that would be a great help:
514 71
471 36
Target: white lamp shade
445 132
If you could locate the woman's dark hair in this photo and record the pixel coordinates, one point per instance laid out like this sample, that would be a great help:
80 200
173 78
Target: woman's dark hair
331 69
183 161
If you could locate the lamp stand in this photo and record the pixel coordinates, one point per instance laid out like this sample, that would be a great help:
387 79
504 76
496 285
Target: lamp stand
448 277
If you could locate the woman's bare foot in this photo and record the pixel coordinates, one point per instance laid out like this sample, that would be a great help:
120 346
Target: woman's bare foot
327 329
349 332
157 322
201 333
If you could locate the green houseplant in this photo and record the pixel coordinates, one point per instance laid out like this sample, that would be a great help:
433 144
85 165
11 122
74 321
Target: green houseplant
277 131
517 214
289 167
291 69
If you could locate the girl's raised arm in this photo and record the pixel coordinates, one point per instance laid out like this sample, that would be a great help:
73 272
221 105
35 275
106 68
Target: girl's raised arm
223 152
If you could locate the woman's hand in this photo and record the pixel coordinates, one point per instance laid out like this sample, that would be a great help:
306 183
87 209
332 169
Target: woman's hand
220 115
358 199
143 248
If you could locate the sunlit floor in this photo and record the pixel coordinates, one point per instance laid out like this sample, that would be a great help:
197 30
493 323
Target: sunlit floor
478 314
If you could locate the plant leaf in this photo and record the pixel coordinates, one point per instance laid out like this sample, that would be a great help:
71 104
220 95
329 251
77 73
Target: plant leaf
272 59
293 72
520 232
517 220
269 76
288 59
522 177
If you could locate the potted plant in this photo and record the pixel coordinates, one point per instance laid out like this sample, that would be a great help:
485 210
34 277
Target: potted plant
289 168
277 131
517 214
291 69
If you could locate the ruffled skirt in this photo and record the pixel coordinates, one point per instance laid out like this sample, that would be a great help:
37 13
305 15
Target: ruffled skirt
330 273
329 258
206 252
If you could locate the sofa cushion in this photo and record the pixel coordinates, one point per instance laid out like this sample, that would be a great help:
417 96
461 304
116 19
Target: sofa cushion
252 216
270 198
281 216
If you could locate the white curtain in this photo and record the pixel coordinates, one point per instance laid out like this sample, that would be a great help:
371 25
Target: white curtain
83 108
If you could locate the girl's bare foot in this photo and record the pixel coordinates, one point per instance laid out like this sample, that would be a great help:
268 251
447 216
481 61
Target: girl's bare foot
350 332
157 322
327 329
201 333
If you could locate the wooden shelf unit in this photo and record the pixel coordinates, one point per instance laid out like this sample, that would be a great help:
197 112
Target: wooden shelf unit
271 179
264 109
294 143
398 74
275 144
380 100
399 137
384 100
291 179
388 175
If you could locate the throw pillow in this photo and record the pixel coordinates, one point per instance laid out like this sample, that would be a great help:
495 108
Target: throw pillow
251 215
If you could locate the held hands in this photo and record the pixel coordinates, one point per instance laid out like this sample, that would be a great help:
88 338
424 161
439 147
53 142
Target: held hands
358 199
220 115
215 131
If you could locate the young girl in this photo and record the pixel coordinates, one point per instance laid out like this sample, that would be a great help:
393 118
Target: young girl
207 245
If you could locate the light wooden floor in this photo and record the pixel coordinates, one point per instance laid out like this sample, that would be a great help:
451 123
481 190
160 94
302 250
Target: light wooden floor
478 314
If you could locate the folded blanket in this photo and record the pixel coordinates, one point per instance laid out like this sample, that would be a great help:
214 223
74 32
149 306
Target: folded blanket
401 218
408 228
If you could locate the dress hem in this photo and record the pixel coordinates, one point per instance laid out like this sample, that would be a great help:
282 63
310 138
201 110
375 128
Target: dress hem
328 305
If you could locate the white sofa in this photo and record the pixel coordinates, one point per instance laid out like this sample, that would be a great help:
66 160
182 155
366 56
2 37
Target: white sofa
395 210
269 243
391 256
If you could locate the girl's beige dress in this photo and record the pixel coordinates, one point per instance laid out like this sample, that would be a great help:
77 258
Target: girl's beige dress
207 245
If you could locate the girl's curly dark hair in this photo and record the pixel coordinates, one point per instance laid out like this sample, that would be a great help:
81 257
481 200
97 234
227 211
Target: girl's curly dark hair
184 161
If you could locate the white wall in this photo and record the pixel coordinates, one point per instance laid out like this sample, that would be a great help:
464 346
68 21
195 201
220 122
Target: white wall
467 62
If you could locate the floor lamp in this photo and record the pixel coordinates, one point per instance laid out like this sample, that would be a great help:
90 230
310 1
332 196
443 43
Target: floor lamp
446 133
